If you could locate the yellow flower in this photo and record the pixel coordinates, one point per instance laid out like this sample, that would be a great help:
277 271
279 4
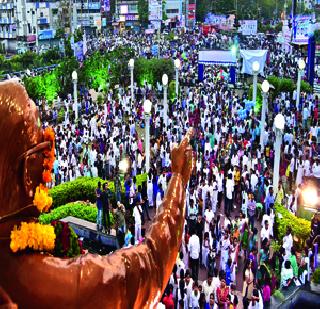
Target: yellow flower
34 236
42 199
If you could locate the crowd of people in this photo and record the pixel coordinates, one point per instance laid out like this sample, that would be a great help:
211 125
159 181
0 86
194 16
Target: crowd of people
230 198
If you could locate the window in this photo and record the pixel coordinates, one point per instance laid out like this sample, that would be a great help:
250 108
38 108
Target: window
172 11
29 28
41 14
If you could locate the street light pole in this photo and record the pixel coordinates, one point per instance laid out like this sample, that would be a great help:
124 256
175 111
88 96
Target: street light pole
177 67
301 67
255 72
279 126
147 114
75 94
165 98
265 88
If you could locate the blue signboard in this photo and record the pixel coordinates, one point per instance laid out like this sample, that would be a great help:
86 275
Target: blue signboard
94 5
46 34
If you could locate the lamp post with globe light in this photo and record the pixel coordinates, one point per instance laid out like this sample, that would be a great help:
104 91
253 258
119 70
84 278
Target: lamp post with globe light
278 126
301 67
131 67
147 112
255 72
75 95
177 65
265 89
165 99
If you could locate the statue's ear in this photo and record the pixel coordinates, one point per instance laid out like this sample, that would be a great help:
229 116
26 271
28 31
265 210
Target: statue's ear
32 173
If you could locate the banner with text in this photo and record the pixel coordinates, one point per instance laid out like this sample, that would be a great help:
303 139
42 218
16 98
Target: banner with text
249 27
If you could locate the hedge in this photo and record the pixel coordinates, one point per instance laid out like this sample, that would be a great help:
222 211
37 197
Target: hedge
301 228
287 85
83 189
79 210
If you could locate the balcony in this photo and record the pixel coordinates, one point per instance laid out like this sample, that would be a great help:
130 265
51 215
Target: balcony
43 21
7 21
7 6
6 35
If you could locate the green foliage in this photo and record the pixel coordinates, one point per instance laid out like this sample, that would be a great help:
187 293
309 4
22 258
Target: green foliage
164 13
83 189
78 35
151 70
61 115
316 276
95 71
286 85
278 295
51 56
100 99
301 228
258 104
60 33
172 90
143 11
46 85
275 245
66 243
170 36
29 60
80 210
64 72
305 87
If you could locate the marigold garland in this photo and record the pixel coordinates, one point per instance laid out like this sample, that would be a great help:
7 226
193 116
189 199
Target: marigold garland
34 236
42 199
49 159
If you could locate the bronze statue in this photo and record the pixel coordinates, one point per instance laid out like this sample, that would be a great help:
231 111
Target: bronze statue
128 278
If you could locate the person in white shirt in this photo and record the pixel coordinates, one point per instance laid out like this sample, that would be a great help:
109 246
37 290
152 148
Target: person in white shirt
208 288
265 231
137 211
224 249
208 216
214 194
229 195
194 297
194 253
150 193
316 169
287 244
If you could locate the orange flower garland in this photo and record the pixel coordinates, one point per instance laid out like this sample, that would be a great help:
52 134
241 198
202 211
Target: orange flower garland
41 198
33 235
49 155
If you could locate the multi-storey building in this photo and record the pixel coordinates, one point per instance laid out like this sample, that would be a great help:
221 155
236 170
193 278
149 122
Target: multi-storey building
8 25
32 24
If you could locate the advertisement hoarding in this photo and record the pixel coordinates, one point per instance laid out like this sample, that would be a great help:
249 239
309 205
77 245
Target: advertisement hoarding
249 27
300 28
155 13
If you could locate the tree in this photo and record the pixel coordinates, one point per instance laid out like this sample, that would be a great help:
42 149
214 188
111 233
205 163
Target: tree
143 11
60 33
164 13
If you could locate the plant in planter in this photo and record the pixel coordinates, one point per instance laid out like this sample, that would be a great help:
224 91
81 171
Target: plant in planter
315 281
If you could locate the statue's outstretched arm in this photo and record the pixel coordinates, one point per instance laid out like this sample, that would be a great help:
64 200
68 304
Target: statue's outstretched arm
128 278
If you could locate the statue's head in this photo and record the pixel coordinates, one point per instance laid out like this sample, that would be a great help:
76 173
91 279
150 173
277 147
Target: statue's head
21 157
